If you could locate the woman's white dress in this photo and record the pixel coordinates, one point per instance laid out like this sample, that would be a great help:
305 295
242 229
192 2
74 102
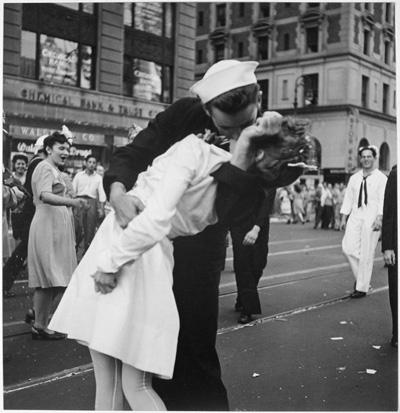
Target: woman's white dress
138 322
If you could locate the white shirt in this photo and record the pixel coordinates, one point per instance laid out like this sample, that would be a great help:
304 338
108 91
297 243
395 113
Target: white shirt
89 185
179 195
376 183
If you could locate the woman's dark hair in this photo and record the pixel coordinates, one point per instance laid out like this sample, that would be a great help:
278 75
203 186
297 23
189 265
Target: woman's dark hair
235 100
19 156
52 139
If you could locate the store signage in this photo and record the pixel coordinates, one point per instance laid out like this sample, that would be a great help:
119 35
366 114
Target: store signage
30 132
29 148
32 91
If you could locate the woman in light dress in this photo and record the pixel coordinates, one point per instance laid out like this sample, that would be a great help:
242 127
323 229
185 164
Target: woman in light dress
51 245
120 301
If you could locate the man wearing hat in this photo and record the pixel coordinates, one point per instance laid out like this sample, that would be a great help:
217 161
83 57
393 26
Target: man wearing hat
362 211
16 262
228 100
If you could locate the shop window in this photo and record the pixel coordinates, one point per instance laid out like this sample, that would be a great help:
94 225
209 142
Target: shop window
148 17
147 80
28 55
264 87
88 8
310 97
263 47
312 39
64 62
221 15
364 91
219 52
265 10
385 98
367 40
85 7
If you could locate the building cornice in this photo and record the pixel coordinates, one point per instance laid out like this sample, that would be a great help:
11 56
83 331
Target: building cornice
263 27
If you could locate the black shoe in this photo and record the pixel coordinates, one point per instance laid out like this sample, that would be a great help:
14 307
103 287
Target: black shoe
358 294
30 316
245 318
39 334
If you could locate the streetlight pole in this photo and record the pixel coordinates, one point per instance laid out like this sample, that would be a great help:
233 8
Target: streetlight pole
298 82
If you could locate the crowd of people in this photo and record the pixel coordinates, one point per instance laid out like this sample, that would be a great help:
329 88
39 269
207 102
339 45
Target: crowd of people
320 204
144 295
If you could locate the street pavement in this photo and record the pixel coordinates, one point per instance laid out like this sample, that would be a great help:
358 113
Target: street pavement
312 349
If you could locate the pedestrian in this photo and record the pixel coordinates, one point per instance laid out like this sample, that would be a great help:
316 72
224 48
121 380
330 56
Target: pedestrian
100 169
12 197
19 167
88 185
389 247
285 205
16 262
317 205
298 204
363 206
229 99
338 196
250 235
327 206
51 245
137 325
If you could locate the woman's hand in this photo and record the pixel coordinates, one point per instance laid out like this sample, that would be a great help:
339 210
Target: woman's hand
251 237
80 203
104 283
126 207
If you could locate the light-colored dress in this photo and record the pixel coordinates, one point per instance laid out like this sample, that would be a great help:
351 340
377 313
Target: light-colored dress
138 322
51 246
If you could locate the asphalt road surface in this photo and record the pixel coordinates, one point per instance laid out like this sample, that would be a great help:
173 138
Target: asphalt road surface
312 349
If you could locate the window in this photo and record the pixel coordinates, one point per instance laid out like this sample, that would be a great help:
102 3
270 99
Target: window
28 55
364 91
384 157
199 58
375 92
219 51
263 46
241 9
85 7
286 41
385 98
285 90
221 15
265 10
312 39
240 49
264 87
155 18
367 38
387 52
310 87
147 80
200 19
56 61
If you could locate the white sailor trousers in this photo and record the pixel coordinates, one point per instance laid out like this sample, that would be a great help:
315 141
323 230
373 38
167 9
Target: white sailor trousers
359 244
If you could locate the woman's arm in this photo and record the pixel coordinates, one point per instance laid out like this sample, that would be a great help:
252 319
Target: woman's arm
53 199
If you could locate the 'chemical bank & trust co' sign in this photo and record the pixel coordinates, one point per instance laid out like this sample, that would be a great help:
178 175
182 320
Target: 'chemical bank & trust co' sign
77 99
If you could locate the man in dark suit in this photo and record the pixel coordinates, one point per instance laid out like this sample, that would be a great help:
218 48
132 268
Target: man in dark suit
389 245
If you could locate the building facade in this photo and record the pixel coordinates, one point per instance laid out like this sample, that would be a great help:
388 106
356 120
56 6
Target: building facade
98 68
332 63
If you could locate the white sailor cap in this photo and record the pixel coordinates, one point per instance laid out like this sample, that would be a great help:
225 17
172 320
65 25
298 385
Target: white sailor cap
39 144
224 76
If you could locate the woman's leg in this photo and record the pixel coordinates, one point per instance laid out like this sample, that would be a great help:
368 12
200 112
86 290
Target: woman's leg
138 390
42 300
107 373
